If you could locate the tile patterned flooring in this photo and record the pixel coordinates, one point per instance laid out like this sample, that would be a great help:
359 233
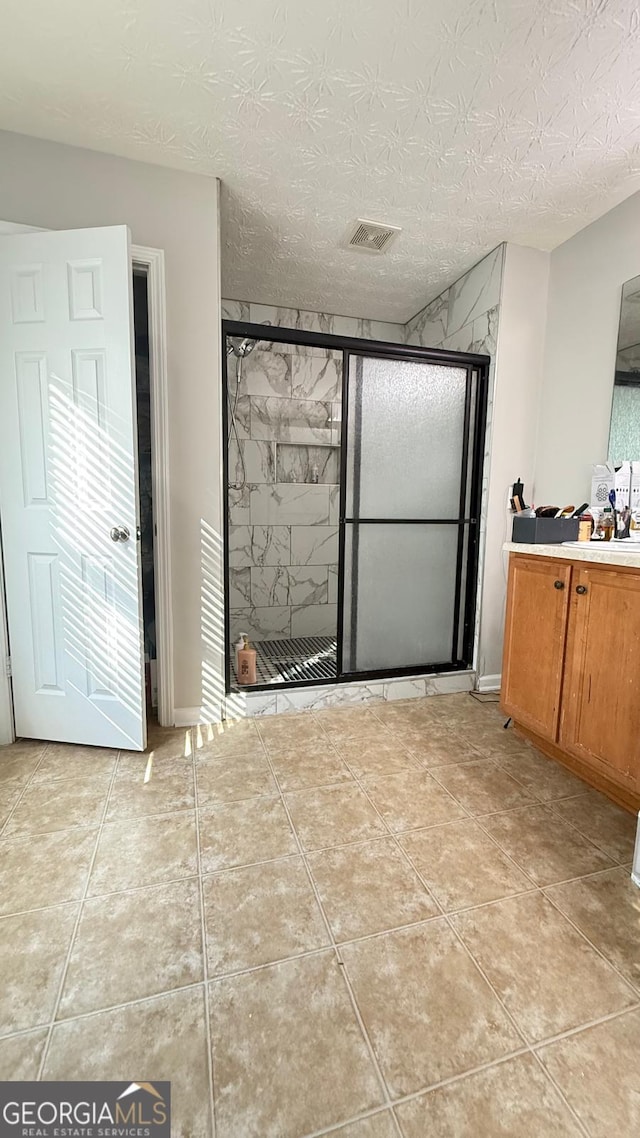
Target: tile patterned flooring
387 921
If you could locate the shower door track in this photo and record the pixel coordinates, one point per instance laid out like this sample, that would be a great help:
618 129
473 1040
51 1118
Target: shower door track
477 367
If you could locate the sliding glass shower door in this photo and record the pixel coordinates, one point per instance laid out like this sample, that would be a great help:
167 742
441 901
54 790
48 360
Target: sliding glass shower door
408 517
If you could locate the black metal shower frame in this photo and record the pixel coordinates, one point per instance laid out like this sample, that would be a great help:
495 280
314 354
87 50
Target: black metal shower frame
475 416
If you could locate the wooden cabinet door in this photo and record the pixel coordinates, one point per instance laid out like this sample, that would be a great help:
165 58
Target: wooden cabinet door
534 643
601 699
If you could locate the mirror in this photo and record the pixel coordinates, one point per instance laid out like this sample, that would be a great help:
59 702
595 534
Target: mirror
624 433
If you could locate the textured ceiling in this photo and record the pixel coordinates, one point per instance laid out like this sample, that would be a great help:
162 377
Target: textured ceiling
467 122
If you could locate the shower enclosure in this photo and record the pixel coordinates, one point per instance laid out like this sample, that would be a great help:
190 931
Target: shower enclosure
353 471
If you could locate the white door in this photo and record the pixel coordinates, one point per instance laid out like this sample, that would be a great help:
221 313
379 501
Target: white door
68 487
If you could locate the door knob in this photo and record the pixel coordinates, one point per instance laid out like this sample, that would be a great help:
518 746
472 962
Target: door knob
558 584
581 589
119 533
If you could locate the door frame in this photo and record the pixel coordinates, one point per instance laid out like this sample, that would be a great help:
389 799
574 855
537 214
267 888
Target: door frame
151 261
383 349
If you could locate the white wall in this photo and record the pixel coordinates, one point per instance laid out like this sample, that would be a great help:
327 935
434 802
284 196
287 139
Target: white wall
585 286
61 187
513 431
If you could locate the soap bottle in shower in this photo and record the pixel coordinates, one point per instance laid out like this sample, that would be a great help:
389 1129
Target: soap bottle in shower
247 664
238 646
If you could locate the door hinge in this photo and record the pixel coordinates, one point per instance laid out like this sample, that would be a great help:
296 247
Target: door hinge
7 667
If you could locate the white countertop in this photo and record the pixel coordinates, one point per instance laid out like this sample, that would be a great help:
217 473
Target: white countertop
600 553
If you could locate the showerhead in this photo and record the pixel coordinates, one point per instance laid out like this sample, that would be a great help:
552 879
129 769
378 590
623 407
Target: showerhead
244 348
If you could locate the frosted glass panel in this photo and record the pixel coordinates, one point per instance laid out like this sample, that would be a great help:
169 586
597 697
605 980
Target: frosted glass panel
624 439
399 595
405 438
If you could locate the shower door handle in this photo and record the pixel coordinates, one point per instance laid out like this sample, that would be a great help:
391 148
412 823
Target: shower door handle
119 533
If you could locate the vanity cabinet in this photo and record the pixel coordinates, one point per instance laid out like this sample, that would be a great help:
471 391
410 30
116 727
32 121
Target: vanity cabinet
535 633
571 668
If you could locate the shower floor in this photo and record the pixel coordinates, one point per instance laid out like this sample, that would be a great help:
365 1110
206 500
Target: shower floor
294 660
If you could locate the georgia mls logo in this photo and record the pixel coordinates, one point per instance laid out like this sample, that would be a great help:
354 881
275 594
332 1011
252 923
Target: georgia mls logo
85 1110
133 1087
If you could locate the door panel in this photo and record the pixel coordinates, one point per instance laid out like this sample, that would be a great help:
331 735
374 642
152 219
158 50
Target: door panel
405 438
601 710
409 490
535 633
400 592
68 474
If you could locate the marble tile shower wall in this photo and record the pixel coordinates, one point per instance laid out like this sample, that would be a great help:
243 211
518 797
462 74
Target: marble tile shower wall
284 476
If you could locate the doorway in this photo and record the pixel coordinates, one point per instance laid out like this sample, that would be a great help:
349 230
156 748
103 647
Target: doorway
145 485
353 472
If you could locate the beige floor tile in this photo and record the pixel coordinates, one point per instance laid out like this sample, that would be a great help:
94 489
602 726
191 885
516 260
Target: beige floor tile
597 1070
20 1056
410 711
64 760
308 765
607 825
233 737
483 787
462 866
145 851
550 979
19 760
162 1038
33 951
376 756
261 914
160 790
332 816
240 833
147 765
288 1055
427 1009
547 848
410 800
493 740
226 749
132 945
457 708
46 807
166 743
277 731
542 777
10 792
230 778
607 910
436 752
379 1125
49 871
512 1100
369 888
433 746
351 723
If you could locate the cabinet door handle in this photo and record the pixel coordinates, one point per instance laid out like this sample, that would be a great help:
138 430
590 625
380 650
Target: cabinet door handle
558 584
581 589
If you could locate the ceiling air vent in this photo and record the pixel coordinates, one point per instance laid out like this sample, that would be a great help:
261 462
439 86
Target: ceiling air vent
371 236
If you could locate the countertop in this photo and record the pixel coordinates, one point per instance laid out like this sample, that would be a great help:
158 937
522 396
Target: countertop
599 553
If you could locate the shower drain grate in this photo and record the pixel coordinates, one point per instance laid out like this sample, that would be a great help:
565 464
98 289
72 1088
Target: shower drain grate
298 646
296 660
295 670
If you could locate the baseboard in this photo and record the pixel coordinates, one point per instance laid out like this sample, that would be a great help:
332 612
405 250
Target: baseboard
190 716
489 683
